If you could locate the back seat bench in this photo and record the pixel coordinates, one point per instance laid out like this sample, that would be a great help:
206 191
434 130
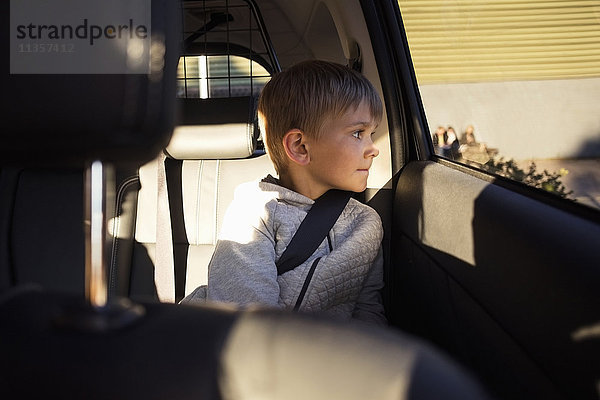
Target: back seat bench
163 244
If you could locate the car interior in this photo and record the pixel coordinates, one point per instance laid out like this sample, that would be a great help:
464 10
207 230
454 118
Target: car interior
113 188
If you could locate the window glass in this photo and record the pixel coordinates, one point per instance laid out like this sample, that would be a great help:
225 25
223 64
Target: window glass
219 76
513 88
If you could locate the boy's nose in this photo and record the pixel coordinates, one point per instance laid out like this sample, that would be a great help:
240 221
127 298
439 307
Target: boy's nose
372 151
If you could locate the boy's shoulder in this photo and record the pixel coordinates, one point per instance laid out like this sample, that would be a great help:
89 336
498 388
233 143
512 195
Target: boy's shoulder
361 218
251 195
252 207
267 195
356 208
267 189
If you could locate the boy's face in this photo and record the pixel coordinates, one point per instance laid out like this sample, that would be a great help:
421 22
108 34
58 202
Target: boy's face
342 156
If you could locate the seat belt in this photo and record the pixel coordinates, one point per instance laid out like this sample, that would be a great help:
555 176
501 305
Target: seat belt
171 237
310 234
313 229
174 178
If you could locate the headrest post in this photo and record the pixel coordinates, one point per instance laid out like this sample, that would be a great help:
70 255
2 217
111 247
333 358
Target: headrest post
96 182
98 314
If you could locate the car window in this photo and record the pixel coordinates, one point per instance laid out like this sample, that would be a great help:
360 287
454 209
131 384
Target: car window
512 88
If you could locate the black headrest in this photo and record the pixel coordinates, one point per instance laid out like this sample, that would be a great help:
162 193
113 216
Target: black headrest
73 118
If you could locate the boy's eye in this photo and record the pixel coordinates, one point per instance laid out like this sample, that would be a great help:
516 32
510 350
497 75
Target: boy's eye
356 134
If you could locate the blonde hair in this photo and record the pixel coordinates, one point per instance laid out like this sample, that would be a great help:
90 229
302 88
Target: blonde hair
307 95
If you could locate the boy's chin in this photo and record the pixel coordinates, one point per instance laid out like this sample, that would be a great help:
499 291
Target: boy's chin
359 188
356 186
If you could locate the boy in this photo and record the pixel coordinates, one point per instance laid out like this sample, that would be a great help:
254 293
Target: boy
318 119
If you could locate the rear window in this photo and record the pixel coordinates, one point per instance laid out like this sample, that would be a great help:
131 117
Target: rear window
219 76
226 50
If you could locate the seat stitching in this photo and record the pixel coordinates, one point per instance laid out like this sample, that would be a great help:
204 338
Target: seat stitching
217 185
200 171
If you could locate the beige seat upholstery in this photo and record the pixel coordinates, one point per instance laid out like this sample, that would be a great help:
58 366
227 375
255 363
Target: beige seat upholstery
210 169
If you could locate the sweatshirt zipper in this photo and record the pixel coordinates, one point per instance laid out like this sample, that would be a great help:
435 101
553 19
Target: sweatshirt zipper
306 283
311 272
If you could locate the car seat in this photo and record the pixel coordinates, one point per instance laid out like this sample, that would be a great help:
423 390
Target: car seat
212 151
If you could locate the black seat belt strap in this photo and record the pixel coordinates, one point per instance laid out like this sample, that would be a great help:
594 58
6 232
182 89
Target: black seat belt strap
173 171
314 229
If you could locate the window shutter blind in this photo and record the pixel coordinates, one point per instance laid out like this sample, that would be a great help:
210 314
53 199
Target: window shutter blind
479 41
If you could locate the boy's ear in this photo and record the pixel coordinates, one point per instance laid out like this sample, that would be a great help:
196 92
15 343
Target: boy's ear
295 147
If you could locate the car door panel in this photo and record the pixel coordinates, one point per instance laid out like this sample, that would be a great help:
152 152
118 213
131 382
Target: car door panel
500 279
445 313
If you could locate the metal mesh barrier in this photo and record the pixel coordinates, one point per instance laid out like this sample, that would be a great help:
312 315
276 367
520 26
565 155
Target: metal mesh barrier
226 50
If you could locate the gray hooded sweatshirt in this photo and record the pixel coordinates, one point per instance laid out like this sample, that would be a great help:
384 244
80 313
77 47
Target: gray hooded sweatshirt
257 228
